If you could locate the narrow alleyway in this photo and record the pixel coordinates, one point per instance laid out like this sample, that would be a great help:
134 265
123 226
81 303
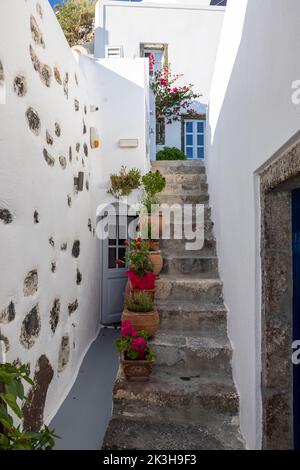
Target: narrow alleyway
85 414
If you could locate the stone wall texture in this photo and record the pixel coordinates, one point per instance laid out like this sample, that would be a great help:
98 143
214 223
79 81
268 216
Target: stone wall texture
49 280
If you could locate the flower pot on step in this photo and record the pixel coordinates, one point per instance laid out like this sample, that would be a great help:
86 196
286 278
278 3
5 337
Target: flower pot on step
143 321
136 371
157 261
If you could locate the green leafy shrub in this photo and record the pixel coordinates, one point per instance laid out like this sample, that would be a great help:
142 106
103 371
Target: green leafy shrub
154 183
125 182
170 153
76 18
139 301
12 390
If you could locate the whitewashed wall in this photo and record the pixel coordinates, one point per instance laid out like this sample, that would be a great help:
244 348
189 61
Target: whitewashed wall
251 116
190 28
49 283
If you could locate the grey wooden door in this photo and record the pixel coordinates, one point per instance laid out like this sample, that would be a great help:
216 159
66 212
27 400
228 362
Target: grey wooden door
114 277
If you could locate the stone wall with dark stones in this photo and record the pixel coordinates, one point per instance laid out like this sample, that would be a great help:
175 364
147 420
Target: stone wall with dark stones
50 277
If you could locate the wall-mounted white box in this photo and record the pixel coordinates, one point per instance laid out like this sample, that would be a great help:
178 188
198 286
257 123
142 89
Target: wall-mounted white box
128 143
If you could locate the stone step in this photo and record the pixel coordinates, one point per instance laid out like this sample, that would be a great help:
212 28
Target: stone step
187 316
200 265
179 167
177 398
140 434
185 188
179 247
179 198
189 354
183 287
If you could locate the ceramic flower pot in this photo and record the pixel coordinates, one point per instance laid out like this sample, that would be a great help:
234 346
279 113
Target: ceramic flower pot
143 321
157 261
136 371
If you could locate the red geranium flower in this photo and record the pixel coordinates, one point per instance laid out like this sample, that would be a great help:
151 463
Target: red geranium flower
127 329
139 344
119 262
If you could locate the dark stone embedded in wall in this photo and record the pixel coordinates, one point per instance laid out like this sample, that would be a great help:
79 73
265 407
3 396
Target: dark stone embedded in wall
51 241
63 162
64 353
70 154
69 201
83 163
57 75
5 341
20 85
36 32
73 307
46 74
53 266
49 159
84 127
33 409
54 315
31 283
85 149
2 76
90 225
64 247
76 105
39 10
76 79
5 216
66 85
49 138
77 147
36 217
31 328
34 121
57 129
94 232
8 314
78 277
87 185
76 249
44 71
85 109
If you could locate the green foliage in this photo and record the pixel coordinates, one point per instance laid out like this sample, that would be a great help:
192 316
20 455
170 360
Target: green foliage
139 301
76 18
170 153
125 182
12 390
154 183
124 344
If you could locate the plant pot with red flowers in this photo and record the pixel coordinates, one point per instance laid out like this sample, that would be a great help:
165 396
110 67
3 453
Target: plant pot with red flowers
140 311
137 359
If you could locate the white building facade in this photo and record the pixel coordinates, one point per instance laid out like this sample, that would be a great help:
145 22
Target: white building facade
183 34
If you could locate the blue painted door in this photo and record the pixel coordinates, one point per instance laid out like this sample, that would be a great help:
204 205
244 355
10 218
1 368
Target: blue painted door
296 311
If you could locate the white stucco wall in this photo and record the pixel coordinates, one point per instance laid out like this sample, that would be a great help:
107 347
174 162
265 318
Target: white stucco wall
29 184
190 28
251 116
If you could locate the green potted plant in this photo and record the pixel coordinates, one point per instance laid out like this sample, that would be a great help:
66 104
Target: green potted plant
137 359
11 393
154 183
123 183
141 312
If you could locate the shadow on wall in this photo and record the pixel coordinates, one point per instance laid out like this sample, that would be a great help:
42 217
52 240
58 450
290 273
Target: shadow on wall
100 41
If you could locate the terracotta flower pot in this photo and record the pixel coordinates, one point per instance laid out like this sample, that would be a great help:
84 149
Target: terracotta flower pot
155 246
143 321
156 221
157 261
136 371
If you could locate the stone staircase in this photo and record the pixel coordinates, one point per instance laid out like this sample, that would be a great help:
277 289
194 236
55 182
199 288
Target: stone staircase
190 402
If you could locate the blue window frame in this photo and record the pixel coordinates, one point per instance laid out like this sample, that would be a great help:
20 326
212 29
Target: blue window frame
194 139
